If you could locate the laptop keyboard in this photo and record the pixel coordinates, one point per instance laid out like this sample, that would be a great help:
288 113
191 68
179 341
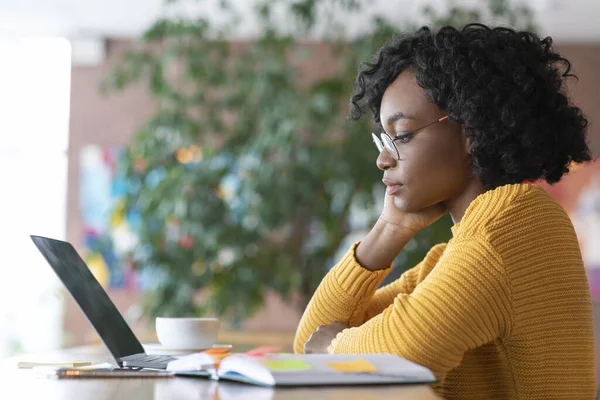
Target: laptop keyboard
147 361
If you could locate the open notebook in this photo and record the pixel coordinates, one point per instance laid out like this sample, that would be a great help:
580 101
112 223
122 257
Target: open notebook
305 370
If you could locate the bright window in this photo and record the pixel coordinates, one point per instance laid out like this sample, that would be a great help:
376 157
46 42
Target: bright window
34 119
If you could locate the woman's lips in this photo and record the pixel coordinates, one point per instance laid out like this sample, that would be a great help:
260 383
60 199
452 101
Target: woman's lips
391 187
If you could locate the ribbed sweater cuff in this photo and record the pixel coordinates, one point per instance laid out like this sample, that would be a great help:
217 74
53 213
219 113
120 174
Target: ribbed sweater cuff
334 343
354 279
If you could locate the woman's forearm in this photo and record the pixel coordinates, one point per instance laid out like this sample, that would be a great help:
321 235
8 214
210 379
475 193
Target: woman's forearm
346 290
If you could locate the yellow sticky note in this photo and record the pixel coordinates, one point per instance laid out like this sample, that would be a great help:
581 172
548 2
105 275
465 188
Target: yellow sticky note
357 366
287 365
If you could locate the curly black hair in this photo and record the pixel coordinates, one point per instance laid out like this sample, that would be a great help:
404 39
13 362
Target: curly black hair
505 87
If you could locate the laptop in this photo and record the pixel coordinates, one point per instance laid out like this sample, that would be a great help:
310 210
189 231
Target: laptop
100 311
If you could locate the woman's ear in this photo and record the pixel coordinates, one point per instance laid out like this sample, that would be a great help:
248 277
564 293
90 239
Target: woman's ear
468 146
466 141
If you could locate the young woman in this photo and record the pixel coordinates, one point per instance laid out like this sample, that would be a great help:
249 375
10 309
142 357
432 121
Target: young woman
470 119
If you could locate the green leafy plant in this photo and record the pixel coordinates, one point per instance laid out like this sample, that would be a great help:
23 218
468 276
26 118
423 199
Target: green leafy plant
249 177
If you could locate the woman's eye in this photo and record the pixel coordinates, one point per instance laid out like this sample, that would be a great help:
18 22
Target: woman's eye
403 138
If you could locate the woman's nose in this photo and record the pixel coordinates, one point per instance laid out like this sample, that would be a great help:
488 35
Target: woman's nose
385 160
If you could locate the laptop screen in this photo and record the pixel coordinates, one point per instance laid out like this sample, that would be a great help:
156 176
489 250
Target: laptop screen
90 296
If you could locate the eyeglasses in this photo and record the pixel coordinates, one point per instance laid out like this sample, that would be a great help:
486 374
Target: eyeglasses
387 142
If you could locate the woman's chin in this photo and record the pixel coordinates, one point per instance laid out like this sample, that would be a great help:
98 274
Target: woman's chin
405 205
401 204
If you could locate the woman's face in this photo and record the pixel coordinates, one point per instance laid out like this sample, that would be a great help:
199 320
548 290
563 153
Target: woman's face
434 162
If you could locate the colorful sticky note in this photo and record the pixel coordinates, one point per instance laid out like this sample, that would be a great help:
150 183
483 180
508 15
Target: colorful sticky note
217 350
287 365
359 365
261 351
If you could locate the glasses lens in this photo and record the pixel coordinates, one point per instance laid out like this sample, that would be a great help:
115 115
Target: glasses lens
390 146
377 142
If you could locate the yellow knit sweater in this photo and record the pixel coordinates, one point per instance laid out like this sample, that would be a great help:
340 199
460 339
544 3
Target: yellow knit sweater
502 311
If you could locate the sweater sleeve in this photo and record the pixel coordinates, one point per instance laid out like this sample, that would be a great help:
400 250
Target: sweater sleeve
407 282
343 296
462 304
349 294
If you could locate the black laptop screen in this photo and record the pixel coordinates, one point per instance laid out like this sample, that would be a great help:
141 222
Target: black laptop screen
90 296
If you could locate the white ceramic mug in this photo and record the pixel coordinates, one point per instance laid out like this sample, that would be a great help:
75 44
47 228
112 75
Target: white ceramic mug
187 333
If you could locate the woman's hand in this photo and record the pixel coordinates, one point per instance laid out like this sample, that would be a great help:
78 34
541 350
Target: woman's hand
320 340
393 230
412 222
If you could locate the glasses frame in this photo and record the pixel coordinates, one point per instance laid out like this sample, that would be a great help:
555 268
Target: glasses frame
387 142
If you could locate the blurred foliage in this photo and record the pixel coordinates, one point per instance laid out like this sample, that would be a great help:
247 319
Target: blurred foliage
246 176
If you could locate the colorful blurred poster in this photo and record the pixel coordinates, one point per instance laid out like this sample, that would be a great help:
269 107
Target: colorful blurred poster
108 235
579 194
